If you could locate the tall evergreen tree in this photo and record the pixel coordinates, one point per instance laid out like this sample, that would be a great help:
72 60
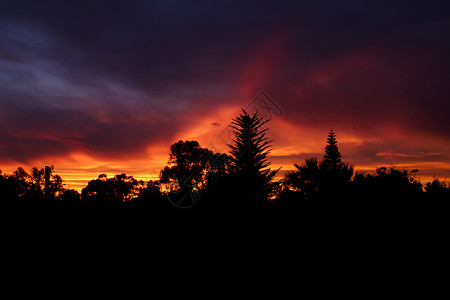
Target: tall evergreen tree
334 173
332 158
248 156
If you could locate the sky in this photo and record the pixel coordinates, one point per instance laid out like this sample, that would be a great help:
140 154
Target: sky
99 86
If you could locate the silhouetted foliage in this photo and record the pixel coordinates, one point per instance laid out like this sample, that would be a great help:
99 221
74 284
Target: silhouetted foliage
326 180
190 164
191 169
184 165
23 188
439 188
70 196
152 190
151 198
248 168
334 173
306 179
115 191
332 157
388 184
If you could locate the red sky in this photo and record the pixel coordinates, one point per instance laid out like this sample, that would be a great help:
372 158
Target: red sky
108 87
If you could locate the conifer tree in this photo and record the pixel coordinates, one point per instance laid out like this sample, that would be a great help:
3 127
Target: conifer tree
248 154
332 158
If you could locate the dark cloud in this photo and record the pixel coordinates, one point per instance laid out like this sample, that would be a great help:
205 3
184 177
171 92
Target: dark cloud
31 129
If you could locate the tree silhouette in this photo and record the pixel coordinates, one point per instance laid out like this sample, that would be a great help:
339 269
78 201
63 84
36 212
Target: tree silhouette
191 164
191 168
183 164
335 174
326 179
117 190
23 184
387 184
248 157
152 190
152 198
68 195
332 157
55 188
437 190
26 188
306 179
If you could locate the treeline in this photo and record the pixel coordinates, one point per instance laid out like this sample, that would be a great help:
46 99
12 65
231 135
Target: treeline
197 178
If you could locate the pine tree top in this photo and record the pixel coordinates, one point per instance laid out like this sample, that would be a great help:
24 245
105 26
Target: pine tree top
331 137
250 147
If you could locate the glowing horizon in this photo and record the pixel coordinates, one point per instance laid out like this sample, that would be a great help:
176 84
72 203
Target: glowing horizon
77 177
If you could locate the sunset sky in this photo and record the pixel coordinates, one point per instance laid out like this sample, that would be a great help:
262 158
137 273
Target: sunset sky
97 87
